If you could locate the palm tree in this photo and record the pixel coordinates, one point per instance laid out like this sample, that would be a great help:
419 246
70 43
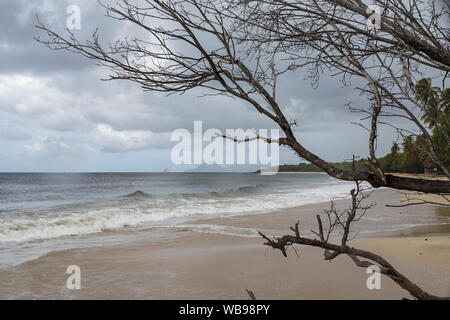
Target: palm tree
431 96
423 150
445 103
408 144
393 158
437 117
394 149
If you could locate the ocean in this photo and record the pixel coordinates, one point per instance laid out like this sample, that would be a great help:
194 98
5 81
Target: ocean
44 212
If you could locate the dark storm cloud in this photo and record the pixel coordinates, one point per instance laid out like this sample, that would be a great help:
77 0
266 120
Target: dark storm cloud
24 55
21 53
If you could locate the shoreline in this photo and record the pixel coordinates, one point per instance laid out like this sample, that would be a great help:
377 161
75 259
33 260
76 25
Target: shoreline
282 220
202 265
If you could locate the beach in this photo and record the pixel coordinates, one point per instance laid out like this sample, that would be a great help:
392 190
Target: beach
202 264
207 150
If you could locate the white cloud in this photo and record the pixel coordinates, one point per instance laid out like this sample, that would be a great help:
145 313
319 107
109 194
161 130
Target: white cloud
49 146
127 140
54 104
42 101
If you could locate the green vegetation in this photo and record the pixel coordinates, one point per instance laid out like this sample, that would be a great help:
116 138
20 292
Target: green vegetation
309 167
411 160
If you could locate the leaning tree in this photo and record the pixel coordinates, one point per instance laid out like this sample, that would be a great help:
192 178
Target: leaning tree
241 48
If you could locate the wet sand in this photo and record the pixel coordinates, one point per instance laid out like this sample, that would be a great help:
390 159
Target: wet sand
208 266
211 266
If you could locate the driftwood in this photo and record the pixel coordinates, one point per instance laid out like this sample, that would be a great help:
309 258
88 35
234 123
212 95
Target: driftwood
361 258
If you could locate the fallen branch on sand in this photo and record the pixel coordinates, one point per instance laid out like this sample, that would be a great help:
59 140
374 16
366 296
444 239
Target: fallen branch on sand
362 258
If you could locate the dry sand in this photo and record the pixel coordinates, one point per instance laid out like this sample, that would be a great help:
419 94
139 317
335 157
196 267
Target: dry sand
431 249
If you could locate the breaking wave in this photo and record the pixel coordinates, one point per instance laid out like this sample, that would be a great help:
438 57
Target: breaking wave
154 210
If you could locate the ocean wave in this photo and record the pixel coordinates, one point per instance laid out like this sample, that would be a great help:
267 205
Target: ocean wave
156 210
139 194
27 229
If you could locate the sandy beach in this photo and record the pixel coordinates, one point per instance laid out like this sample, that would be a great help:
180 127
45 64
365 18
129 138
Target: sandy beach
224 150
199 265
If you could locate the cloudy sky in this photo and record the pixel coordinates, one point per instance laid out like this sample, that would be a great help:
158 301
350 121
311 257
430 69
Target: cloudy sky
56 115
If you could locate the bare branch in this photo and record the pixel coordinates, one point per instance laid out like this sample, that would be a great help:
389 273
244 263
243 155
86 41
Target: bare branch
231 48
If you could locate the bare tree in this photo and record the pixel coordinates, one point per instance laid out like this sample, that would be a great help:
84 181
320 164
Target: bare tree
217 58
240 49
412 37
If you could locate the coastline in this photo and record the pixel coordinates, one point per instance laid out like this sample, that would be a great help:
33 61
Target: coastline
301 172
201 265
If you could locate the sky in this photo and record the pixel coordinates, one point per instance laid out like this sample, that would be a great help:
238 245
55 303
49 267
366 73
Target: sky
56 115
